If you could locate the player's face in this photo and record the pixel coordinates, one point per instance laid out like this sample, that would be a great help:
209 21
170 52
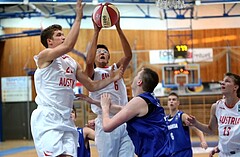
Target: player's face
102 55
73 115
136 82
172 102
57 39
228 86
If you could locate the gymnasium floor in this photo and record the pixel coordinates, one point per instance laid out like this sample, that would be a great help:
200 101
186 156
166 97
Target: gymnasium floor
25 148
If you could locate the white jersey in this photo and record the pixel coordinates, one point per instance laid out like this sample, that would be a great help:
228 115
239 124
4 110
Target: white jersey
228 127
117 89
54 85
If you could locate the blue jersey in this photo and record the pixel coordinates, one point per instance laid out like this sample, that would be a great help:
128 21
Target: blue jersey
82 151
180 142
149 133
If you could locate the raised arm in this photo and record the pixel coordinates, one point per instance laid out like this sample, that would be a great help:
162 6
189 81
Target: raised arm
126 48
91 54
49 54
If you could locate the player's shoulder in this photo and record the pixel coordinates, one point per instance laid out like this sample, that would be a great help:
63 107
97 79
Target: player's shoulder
44 52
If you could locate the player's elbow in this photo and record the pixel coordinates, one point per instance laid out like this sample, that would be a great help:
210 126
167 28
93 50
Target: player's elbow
107 128
92 87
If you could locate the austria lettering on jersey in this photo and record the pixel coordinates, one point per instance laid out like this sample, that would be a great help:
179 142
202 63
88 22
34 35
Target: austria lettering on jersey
67 82
105 75
229 120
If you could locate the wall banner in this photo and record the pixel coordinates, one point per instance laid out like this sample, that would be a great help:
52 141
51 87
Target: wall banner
16 89
193 56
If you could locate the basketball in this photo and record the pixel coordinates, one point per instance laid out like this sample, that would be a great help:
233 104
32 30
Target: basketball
105 15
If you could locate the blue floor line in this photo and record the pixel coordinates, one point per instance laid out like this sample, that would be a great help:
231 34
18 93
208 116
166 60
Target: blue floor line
26 148
15 150
210 144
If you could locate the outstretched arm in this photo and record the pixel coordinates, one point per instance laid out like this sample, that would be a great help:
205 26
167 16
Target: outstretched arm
113 107
95 85
211 127
49 54
199 133
126 48
137 107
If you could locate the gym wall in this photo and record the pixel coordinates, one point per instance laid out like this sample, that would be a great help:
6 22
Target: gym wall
18 53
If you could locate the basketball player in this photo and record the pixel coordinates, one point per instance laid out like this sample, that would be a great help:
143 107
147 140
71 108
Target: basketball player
53 130
85 134
225 115
144 116
179 132
116 143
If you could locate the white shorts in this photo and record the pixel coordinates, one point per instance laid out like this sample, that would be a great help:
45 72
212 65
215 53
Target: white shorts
113 144
52 134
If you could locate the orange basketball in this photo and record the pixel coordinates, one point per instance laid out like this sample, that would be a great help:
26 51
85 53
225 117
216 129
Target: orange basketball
105 15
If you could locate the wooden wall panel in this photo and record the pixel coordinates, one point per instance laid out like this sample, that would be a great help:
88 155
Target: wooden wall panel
18 52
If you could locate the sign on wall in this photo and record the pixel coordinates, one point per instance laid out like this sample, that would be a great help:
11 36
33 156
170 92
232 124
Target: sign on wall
167 56
16 89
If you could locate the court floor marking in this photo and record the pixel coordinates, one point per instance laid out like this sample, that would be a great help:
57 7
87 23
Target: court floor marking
16 150
196 149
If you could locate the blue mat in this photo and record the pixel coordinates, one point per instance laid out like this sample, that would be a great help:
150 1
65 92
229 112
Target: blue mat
16 150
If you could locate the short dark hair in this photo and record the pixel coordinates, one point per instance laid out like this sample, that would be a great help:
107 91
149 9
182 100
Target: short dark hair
102 46
173 94
236 79
48 32
150 80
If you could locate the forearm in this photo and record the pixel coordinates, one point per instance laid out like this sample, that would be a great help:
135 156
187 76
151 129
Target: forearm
200 135
126 47
113 108
73 34
204 128
105 119
99 84
92 51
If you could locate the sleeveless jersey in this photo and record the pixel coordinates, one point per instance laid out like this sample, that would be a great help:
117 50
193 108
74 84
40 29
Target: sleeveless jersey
117 89
228 126
82 151
149 133
179 134
54 85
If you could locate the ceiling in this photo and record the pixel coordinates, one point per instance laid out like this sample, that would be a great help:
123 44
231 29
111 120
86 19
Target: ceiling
129 9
